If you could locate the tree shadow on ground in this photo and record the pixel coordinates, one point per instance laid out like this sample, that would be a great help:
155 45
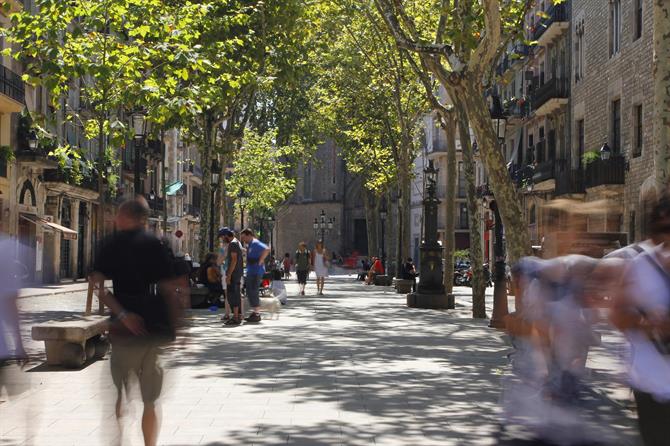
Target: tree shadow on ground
395 374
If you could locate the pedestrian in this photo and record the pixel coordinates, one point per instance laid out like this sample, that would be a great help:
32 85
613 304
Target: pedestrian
302 263
257 251
642 313
320 266
212 277
376 269
287 265
409 272
145 306
233 275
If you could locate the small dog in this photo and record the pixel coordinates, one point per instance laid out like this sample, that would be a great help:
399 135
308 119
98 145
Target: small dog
271 305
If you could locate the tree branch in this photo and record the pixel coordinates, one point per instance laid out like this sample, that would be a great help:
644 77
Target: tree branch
486 51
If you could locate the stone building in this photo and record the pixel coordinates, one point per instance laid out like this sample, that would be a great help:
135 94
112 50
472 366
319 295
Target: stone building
612 102
322 185
579 112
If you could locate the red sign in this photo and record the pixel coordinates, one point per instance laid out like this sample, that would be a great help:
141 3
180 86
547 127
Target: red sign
178 233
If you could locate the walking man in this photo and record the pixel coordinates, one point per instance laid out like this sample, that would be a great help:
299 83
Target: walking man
234 272
144 306
257 251
642 312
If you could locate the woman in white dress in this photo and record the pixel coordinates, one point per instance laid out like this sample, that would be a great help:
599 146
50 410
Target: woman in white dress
320 266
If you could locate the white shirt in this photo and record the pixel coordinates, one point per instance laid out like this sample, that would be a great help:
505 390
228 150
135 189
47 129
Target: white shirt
649 370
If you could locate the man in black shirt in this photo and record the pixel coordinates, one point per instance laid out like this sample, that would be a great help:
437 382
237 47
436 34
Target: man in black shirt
144 305
234 273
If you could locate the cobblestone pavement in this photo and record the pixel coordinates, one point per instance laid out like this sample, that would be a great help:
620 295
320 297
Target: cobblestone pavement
352 367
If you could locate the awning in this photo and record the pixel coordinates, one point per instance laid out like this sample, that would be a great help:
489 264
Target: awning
173 188
68 234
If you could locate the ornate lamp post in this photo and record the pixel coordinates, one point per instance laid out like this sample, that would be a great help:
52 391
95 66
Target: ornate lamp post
430 292
323 226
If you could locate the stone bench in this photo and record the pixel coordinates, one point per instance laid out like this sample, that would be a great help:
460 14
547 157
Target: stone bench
72 343
403 286
382 280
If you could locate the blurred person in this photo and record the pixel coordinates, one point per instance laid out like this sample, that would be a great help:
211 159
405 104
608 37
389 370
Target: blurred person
145 306
233 275
319 262
376 269
302 265
286 264
642 312
409 272
211 275
257 252
552 333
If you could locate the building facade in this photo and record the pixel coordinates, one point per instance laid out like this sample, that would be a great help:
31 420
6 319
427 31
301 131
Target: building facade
578 108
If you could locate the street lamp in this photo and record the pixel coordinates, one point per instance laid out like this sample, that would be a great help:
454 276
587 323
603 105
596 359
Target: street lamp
33 142
605 152
139 124
323 226
430 291
216 172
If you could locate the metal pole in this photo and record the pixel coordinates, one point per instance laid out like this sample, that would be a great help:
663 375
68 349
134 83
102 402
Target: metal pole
211 222
136 180
383 245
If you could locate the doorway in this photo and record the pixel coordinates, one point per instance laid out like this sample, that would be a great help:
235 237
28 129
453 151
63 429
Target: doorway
65 249
361 236
26 254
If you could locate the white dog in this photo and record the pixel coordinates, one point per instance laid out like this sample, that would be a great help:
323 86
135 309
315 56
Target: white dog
271 305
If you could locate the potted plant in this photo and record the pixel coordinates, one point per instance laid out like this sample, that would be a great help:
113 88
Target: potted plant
590 156
6 154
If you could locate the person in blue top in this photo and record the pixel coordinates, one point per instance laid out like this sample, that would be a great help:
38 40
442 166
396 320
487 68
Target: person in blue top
257 251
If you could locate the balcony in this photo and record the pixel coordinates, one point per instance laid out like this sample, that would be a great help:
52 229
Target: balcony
516 109
570 182
552 25
550 96
605 172
129 167
156 205
65 176
154 149
13 91
544 171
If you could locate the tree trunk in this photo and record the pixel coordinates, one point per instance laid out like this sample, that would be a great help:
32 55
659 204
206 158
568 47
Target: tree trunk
371 222
476 256
102 171
661 93
509 204
449 127
205 217
404 209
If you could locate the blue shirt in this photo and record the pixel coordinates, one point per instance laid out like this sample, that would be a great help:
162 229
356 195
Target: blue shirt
254 251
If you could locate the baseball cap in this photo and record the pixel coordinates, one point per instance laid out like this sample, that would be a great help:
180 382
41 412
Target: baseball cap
226 231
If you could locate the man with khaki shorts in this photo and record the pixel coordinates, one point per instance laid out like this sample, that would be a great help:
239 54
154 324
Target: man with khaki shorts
144 306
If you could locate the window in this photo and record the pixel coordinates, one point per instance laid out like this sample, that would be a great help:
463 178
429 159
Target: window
579 52
615 27
463 216
461 180
638 20
616 126
580 141
631 227
637 130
